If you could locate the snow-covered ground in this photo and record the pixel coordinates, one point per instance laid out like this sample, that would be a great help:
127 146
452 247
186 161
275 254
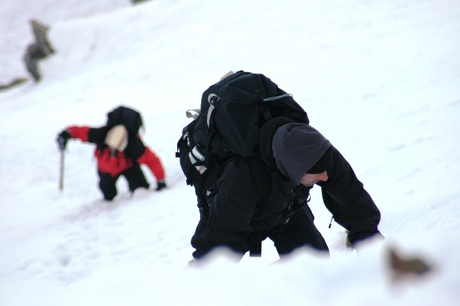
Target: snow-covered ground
380 79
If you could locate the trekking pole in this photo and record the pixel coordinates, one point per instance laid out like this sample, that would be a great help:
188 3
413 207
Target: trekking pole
61 172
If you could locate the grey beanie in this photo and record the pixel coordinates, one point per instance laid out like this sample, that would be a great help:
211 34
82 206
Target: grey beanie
297 147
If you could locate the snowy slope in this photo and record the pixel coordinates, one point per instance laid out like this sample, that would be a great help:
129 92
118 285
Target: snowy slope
378 79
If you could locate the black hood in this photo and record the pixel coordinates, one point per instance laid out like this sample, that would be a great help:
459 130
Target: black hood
296 148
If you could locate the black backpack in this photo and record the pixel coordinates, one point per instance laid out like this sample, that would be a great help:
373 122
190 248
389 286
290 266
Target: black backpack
128 117
228 124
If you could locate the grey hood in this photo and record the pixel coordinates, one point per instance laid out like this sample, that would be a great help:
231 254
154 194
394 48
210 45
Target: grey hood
296 148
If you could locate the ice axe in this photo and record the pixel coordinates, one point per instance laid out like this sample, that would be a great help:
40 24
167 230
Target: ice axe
61 172
62 139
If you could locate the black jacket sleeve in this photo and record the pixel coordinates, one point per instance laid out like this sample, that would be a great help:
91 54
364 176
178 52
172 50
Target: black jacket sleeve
351 205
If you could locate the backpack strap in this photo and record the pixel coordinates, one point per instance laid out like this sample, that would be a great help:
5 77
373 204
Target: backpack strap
262 182
277 97
266 139
212 99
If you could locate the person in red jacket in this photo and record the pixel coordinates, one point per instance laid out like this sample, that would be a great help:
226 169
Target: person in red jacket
119 151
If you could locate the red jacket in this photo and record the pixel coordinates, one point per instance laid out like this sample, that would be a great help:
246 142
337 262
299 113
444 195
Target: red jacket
115 162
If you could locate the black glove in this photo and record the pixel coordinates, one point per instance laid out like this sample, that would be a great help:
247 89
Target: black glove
62 139
355 238
161 185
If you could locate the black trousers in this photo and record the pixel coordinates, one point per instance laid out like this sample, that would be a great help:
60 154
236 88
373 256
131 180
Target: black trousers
133 175
300 231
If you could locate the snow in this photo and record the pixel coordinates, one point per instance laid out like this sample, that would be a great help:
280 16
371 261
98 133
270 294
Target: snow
380 79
